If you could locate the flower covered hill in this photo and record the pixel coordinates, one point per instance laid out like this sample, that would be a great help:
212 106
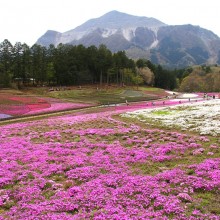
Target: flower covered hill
93 166
34 101
16 105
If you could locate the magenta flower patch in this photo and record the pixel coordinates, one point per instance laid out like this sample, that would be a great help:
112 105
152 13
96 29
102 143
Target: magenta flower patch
92 166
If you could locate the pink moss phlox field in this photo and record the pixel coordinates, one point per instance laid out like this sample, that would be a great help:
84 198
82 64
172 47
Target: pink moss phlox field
57 107
90 167
14 110
19 105
24 105
34 105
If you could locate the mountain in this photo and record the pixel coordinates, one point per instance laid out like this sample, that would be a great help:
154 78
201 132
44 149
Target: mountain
110 24
143 37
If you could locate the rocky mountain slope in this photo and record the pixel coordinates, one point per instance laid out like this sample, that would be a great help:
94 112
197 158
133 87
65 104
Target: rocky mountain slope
143 37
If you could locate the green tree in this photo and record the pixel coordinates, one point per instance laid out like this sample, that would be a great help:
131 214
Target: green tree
138 80
50 73
61 59
104 62
140 63
92 62
18 73
26 62
121 62
165 79
39 64
6 62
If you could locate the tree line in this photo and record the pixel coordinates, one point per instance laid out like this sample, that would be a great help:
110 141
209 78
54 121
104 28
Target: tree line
201 78
75 65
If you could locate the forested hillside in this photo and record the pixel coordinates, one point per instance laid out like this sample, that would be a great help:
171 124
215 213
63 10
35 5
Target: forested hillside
21 65
65 65
201 78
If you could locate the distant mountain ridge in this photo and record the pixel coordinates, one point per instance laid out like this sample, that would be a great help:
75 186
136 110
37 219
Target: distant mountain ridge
143 37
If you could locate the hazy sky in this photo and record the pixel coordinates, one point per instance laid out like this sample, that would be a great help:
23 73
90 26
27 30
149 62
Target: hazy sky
27 20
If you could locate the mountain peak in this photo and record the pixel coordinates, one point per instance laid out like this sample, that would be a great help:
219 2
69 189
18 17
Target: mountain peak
50 37
114 13
117 15
115 19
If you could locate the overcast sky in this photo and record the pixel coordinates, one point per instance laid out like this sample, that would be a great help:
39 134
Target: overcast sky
26 20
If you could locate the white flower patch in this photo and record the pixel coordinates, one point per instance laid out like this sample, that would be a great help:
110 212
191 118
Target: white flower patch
202 117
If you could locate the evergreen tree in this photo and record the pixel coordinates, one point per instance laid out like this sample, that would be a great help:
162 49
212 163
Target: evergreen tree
6 62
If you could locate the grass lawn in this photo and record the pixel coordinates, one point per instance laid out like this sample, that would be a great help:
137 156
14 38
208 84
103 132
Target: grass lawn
104 95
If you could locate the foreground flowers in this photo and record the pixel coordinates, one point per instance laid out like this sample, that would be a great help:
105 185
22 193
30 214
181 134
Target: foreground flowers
93 166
